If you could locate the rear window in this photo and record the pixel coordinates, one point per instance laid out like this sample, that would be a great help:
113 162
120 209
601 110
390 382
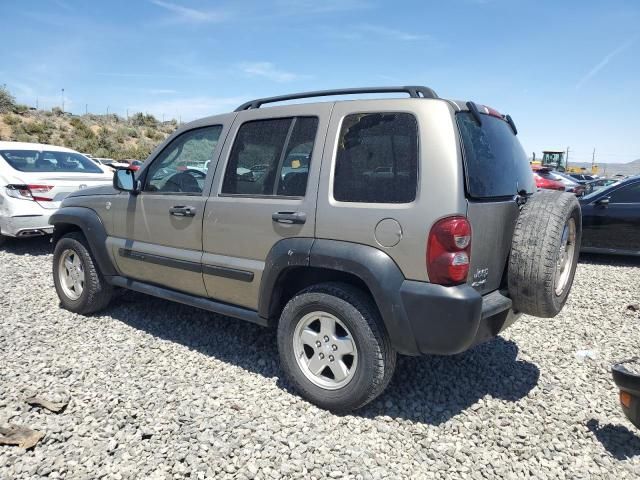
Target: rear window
49 161
495 162
377 159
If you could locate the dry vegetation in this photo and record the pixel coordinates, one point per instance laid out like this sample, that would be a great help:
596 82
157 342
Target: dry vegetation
107 136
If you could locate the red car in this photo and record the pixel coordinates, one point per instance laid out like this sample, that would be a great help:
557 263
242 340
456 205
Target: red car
545 181
135 165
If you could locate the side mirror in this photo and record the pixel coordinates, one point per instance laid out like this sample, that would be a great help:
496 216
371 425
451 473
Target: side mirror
124 180
603 202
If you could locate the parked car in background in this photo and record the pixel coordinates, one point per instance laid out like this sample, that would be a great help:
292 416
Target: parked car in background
570 184
611 219
599 183
135 165
581 177
545 181
626 376
34 179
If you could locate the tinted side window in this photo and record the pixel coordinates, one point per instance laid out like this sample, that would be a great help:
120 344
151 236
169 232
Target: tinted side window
377 159
182 166
271 157
628 194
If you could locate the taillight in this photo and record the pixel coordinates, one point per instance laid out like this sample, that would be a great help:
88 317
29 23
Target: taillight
448 251
29 192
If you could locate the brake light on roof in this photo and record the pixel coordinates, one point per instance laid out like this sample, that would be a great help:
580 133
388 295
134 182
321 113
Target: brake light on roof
29 192
448 251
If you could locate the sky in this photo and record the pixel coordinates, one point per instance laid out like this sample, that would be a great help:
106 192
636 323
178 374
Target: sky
568 72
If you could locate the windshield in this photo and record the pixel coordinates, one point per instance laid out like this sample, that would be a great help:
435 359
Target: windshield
495 162
49 161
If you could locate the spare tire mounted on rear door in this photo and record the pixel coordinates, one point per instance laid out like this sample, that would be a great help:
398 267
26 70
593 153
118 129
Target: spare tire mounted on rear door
544 253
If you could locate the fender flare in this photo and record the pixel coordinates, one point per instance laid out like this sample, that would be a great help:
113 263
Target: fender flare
89 222
375 268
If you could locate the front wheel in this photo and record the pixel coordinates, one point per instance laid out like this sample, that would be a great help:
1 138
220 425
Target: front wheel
333 347
79 284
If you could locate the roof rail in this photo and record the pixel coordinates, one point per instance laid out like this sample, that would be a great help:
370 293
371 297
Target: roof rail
413 91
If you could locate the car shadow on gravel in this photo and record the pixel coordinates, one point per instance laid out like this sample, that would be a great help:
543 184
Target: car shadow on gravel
34 246
618 440
433 389
430 389
614 260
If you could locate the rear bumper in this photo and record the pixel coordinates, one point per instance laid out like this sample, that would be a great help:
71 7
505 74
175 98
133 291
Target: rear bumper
23 218
449 320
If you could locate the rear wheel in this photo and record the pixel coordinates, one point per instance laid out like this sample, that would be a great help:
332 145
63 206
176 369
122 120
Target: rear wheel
333 347
79 284
544 253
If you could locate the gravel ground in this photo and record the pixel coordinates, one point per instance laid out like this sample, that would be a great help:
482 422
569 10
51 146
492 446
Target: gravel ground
160 390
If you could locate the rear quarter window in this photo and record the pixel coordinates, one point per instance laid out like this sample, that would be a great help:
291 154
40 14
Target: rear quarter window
377 158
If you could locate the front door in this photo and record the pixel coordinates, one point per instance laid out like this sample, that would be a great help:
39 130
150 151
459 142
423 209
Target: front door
159 230
264 190
616 224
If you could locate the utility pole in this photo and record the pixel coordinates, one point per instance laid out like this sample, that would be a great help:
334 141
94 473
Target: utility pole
107 110
593 159
63 100
37 104
566 162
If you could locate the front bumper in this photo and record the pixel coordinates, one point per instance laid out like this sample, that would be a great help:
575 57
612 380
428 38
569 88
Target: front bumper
629 383
449 320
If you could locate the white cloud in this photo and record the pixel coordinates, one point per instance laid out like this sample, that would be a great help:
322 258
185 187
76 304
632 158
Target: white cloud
366 32
604 62
191 15
160 91
324 6
189 108
268 70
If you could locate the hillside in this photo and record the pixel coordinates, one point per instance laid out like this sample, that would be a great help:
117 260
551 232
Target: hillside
107 136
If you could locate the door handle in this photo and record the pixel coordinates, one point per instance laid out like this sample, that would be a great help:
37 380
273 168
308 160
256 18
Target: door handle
182 211
289 217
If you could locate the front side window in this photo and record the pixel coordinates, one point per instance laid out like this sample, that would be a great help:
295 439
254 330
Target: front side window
628 194
49 161
182 166
377 158
271 157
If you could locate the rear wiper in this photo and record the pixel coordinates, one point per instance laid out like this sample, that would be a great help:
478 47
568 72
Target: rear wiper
475 112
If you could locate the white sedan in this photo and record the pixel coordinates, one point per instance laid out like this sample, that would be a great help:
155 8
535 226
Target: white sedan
34 179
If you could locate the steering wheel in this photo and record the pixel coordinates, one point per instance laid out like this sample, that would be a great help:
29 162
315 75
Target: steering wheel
184 181
196 173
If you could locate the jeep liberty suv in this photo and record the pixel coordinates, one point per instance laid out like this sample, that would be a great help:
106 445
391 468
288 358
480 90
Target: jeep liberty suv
362 229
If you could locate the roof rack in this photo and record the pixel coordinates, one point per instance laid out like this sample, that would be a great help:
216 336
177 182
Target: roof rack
413 91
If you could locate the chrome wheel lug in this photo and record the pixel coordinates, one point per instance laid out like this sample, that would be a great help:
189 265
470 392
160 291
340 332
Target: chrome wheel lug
326 339
334 347
318 344
321 355
331 359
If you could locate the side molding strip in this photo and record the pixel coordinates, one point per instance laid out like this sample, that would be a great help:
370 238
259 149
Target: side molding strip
232 273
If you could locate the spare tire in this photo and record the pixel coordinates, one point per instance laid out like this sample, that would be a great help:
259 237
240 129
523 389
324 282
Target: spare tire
544 253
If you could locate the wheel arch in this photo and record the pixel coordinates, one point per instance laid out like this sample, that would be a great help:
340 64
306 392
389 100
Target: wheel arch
295 264
87 221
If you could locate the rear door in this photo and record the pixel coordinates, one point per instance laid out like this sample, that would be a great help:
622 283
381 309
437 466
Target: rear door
496 170
264 190
158 232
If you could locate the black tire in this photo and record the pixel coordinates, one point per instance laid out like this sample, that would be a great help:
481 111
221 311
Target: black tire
536 250
96 293
3 239
376 356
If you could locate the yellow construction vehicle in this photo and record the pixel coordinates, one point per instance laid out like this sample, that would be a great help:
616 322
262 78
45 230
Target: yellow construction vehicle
557 160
